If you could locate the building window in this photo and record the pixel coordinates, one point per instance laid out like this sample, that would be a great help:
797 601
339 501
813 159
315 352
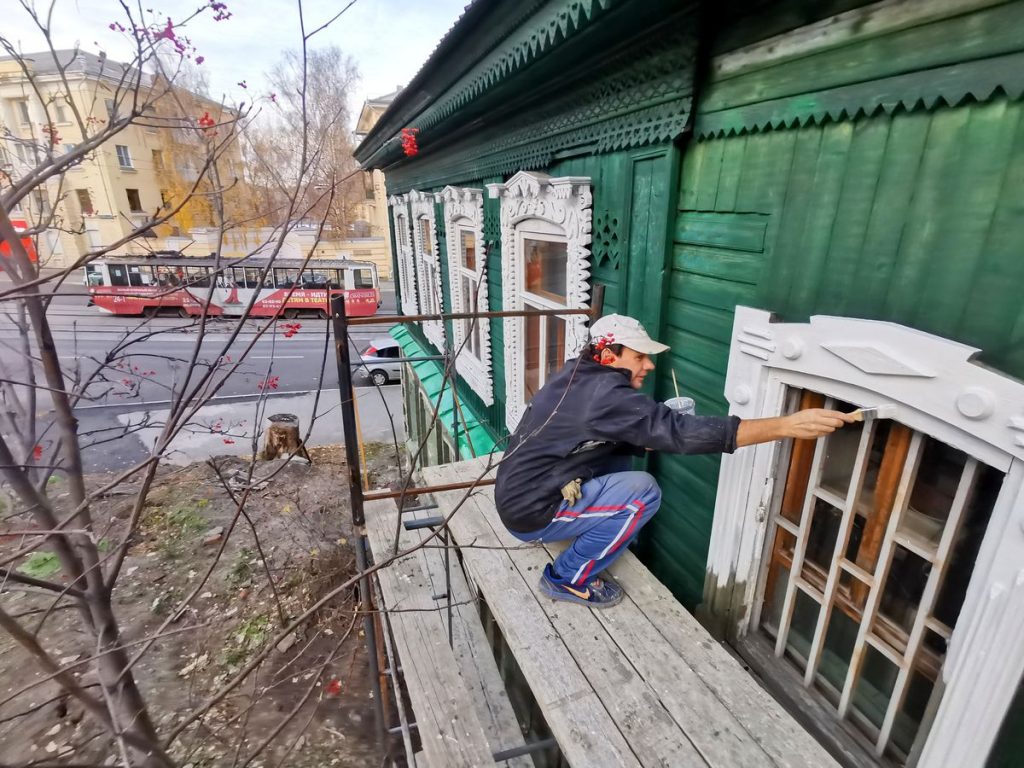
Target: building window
543 277
111 108
124 157
545 225
59 112
23 112
134 202
404 255
464 223
68 149
158 160
874 577
428 266
873 640
84 202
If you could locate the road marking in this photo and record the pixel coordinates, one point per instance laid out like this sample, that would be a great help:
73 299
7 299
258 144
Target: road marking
266 395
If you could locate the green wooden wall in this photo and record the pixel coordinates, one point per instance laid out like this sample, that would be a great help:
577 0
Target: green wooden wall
914 217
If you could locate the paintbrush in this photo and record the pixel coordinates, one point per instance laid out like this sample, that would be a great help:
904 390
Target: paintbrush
875 412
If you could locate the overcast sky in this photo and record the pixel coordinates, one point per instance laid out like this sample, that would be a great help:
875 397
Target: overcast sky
390 39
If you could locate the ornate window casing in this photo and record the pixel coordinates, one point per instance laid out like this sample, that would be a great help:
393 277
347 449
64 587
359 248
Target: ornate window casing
428 265
544 221
467 259
923 636
404 254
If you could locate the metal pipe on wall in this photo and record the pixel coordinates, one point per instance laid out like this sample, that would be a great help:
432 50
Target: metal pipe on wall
348 423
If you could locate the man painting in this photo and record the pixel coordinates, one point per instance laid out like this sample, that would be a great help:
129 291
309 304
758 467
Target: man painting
565 474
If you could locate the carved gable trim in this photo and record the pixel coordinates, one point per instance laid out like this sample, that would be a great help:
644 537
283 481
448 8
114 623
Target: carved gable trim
428 265
566 203
465 206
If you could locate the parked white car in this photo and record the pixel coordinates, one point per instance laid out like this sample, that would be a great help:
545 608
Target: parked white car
380 361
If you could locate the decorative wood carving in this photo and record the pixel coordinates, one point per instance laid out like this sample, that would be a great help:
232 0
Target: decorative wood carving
566 203
466 206
403 251
421 206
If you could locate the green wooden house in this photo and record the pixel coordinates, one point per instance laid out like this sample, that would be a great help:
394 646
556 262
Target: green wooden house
812 203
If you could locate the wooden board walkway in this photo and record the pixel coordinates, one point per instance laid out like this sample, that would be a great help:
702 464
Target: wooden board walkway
641 684
462 712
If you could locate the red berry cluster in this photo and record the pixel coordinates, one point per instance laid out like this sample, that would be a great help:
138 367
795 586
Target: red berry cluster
206 124
290 329
600 344
409 141
270 383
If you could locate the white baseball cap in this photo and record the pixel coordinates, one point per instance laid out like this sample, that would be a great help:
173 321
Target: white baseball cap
619 329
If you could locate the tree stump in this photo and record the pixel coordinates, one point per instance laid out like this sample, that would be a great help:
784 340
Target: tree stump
282 437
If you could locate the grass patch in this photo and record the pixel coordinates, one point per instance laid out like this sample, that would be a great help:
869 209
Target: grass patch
249 637
174 527
40 565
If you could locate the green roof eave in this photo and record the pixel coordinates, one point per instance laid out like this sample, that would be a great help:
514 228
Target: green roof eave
431 377
486 48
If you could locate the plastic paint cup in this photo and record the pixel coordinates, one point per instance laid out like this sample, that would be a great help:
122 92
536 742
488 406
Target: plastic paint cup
683 405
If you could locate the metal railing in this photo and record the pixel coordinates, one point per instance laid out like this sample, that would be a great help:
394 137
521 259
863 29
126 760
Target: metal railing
359 495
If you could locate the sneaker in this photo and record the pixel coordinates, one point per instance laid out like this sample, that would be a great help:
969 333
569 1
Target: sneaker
597 593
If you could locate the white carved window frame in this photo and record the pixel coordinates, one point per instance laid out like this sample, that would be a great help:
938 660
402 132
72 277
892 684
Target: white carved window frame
464 210
562 203
938 390
428 264
404 254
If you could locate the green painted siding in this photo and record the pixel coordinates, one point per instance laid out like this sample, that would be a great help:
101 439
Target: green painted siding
1009 749
915 218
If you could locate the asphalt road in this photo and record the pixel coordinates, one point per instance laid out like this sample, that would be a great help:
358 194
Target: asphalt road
135 388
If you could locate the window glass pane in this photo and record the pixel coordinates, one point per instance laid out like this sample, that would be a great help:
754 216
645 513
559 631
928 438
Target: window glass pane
286 277
532 367
966 545
426 241
252 277
198 276
546 268
118 274
84 201
93 274
363 278
555 346
468 248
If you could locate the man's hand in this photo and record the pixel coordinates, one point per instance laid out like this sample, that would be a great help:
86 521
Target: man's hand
815 422
803 425
571 491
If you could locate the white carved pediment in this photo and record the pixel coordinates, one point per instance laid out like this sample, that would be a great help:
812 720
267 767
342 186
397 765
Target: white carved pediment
927 377
877 360
566 203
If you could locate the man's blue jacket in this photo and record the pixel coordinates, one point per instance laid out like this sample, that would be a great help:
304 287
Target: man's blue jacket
585 413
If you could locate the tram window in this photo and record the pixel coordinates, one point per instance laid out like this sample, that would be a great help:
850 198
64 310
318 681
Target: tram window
93 275
198 276
362 278
316 278
286 277
140 276
118 274
252 277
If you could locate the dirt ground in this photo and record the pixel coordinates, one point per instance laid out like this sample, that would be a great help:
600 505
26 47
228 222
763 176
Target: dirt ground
301 520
